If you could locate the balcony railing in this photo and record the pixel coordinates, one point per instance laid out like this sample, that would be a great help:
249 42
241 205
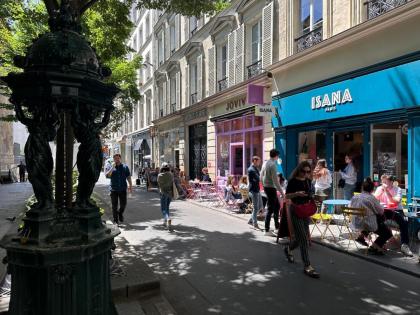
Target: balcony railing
378 7
193 31
173 107
193 98
254 69
309 39
222 84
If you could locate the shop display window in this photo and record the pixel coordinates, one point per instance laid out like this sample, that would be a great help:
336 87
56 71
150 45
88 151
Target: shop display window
312 146
235 147
389 152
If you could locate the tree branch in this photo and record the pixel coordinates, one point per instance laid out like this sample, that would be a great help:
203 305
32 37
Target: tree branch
86 5
52 6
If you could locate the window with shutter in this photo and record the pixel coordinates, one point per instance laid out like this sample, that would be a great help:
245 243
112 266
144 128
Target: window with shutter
267 35
187 86
167 43
231 58
239 66
178 90
212 69
177 31
165 99
173 87
200 74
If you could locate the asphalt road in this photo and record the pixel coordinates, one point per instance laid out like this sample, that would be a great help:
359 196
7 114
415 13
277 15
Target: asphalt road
215 264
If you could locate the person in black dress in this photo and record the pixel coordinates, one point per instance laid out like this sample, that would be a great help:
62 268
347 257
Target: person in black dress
300 191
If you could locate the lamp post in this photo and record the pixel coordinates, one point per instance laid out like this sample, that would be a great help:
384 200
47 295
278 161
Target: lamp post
59 261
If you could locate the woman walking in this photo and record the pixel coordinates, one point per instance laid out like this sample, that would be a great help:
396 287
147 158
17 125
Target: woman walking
322 178
166 185
300 192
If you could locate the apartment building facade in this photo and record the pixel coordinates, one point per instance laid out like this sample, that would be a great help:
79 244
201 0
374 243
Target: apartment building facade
348 85
134 140
302 52
201 85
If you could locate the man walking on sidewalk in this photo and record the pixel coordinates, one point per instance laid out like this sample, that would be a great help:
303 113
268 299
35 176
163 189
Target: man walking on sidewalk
254 190
271 186
22 171
119 174
166 186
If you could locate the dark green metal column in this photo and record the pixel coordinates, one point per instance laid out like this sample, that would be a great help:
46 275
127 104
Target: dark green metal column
59 261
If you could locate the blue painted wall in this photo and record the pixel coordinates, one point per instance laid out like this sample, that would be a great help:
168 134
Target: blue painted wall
384 90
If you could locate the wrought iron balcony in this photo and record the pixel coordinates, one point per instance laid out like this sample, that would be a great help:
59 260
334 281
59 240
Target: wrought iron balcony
193 31
173 107
378 7
309 39
193 98
222 84
254 69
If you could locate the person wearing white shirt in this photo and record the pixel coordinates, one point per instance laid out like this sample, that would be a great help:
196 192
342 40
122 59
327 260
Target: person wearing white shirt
322 178
350 178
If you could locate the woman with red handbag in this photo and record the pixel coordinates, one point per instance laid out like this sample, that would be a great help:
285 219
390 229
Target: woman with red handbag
300 192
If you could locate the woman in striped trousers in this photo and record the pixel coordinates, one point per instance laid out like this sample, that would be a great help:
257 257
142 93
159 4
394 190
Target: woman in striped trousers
300 191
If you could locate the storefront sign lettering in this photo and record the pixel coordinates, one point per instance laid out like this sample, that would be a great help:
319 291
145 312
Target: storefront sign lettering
236 104
195 115
330 101
264 110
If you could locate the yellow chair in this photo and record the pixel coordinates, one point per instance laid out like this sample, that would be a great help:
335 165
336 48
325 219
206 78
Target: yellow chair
349 213
320 217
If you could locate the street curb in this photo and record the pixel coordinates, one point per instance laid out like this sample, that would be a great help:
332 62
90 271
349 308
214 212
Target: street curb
332 247
121 287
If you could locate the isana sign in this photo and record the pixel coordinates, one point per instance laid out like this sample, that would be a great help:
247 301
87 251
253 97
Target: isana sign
329 101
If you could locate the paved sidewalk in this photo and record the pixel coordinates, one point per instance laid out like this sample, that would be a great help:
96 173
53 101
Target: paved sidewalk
393 259
12 204
214 263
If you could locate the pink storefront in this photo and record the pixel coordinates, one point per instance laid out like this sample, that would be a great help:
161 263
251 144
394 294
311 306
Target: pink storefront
237 140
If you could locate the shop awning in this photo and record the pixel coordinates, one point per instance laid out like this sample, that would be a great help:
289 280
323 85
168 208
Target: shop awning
137 145
230 115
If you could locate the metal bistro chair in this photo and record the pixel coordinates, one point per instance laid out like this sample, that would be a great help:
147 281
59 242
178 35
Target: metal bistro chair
359 213
321 217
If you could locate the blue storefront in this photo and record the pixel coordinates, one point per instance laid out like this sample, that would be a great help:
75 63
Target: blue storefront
372 114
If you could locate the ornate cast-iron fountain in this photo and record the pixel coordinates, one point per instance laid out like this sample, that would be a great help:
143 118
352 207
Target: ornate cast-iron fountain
59 261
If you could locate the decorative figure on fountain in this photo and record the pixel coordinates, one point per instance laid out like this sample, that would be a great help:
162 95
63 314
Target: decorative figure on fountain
89 156
42 129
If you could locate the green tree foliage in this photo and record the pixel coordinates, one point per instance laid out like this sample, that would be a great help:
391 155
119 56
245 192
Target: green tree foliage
106 25
186 7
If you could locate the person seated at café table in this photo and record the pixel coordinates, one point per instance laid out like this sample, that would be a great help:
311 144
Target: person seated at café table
231 191
390 195
373 220
205 177
243 187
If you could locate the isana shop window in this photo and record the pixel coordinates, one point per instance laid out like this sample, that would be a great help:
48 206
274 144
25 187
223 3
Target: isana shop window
311 146
389 151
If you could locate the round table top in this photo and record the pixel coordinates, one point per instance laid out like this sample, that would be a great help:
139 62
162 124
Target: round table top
336 202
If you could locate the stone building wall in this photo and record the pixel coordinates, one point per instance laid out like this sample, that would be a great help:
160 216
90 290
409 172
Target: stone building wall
6 139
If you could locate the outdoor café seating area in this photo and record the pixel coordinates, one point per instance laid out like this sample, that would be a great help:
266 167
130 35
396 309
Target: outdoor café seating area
214 194
331 224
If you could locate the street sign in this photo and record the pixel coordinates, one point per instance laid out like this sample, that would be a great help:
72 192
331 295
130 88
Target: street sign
265 110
